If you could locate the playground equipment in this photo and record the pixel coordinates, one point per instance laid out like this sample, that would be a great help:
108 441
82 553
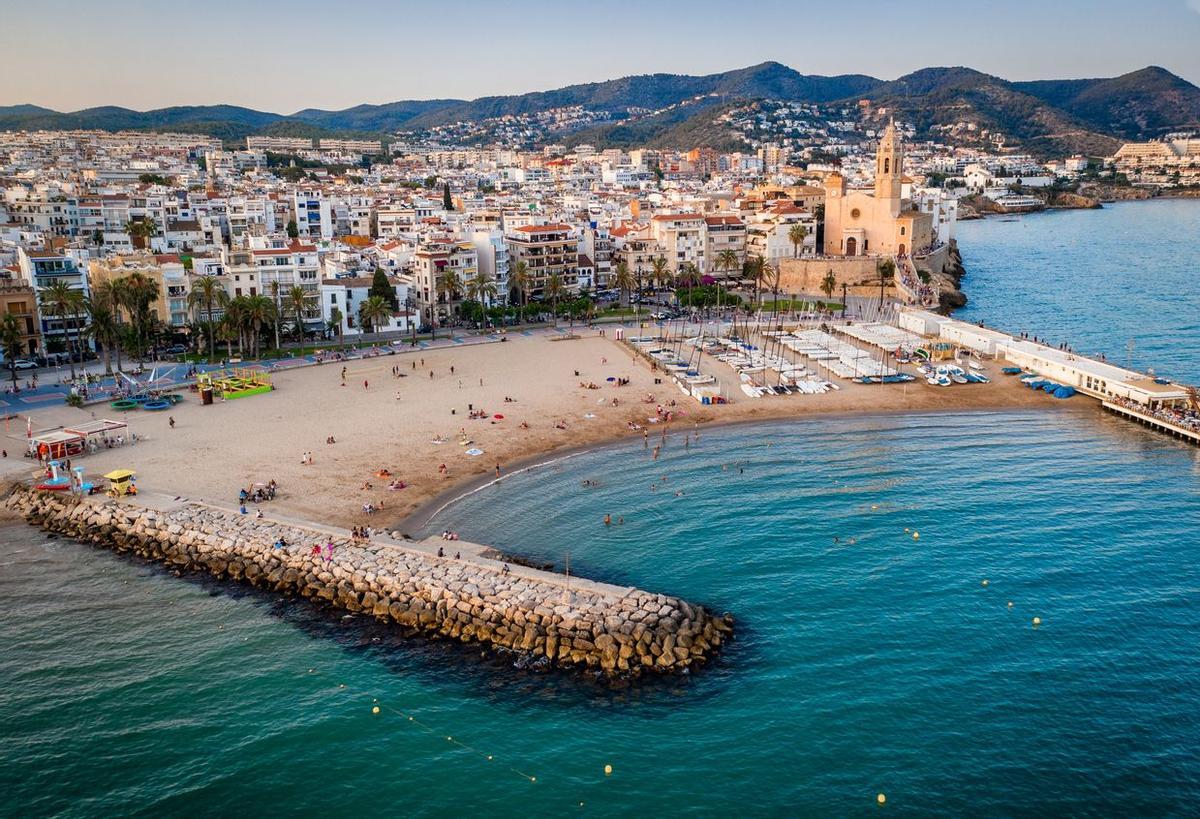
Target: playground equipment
239 382
121 482
57 481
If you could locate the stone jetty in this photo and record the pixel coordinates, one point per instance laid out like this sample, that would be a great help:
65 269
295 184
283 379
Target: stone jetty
613 630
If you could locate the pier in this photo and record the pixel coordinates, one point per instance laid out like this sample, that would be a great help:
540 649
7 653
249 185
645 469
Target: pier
563 622
1190 435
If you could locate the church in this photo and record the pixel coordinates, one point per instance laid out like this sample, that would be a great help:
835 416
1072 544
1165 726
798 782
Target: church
878 223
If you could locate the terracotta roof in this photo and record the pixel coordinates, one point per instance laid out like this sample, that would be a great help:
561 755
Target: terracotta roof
723 220
556 228
675 217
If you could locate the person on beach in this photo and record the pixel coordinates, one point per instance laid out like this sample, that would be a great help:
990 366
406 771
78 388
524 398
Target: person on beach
171 421
497 469
343 375
365 385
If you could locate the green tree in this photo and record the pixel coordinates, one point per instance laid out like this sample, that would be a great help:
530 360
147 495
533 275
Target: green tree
61 301
554 291
380 286
828 284
208 292
447 202
796 235
624 281
481 287
138 292
103 324
140 230
372 313
756 269
10 342
518 282
293 230
298 300
258 311
451 285
335 323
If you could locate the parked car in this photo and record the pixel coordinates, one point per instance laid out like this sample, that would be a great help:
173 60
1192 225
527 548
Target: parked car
24 364
175 349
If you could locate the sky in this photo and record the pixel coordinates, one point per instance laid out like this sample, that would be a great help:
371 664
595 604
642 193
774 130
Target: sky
285 56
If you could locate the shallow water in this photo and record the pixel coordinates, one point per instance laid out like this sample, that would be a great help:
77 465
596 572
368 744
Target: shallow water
1096 279
878 665
865 661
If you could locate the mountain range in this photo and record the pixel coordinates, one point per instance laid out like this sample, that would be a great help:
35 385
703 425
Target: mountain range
1044 116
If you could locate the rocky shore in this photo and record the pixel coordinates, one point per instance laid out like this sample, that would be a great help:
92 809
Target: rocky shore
607 629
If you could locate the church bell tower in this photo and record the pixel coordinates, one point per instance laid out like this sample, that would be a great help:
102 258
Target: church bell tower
889 169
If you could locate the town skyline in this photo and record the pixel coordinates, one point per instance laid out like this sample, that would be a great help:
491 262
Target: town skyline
411 56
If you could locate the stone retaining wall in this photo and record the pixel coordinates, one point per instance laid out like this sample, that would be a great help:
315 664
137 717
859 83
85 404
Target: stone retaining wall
620 632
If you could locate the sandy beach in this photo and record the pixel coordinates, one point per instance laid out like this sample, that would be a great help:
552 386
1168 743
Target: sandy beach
412 425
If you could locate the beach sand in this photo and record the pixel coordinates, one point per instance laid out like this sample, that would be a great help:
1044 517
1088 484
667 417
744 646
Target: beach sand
215 450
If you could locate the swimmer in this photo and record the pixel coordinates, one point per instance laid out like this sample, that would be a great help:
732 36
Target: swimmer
608 520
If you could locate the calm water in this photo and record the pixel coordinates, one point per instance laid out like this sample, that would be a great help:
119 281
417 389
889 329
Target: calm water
1094 279
870 663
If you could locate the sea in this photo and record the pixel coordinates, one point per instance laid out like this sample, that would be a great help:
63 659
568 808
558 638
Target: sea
885 573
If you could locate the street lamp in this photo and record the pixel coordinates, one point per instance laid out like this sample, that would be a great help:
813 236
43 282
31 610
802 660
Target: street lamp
843 299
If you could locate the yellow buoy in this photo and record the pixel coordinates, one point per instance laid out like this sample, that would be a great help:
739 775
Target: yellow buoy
881 798
608 770
374 709
916 535
985 582
1010 604
1037 621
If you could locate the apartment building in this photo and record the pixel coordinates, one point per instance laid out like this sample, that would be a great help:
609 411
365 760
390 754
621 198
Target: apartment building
682 238
41 268
313 215
430 264
18 299
634 245
166 270
725 233
492 253
353 146
347 294
278 144
546 250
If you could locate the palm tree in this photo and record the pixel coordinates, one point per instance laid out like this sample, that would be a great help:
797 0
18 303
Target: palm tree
103 325
727 261
227 330
59 300
796 235
756 269
624 280
10 342
138 292
298 301
278 309
771 279
373 312
828 284
451 284
140 230
235 321
553 291
207 291
335 323
258 311
658 268
481 287
518 282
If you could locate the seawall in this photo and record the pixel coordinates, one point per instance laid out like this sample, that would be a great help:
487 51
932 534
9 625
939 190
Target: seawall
615 630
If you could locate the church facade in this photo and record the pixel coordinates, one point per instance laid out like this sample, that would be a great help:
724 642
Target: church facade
879 222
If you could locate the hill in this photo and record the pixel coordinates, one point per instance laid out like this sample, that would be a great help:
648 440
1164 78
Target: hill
1138 105
682 128
937 99
1046 117
655 91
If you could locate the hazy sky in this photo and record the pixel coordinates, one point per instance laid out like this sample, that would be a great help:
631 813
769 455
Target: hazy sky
283 56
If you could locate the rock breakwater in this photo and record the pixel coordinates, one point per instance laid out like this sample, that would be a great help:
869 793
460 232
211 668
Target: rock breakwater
613 630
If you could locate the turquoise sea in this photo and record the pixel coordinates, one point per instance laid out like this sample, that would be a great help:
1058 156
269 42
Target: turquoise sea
866 661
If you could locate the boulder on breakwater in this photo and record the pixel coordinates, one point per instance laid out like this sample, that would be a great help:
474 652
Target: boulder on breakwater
611 630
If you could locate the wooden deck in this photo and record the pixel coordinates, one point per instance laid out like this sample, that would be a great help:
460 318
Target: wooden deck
1189 435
